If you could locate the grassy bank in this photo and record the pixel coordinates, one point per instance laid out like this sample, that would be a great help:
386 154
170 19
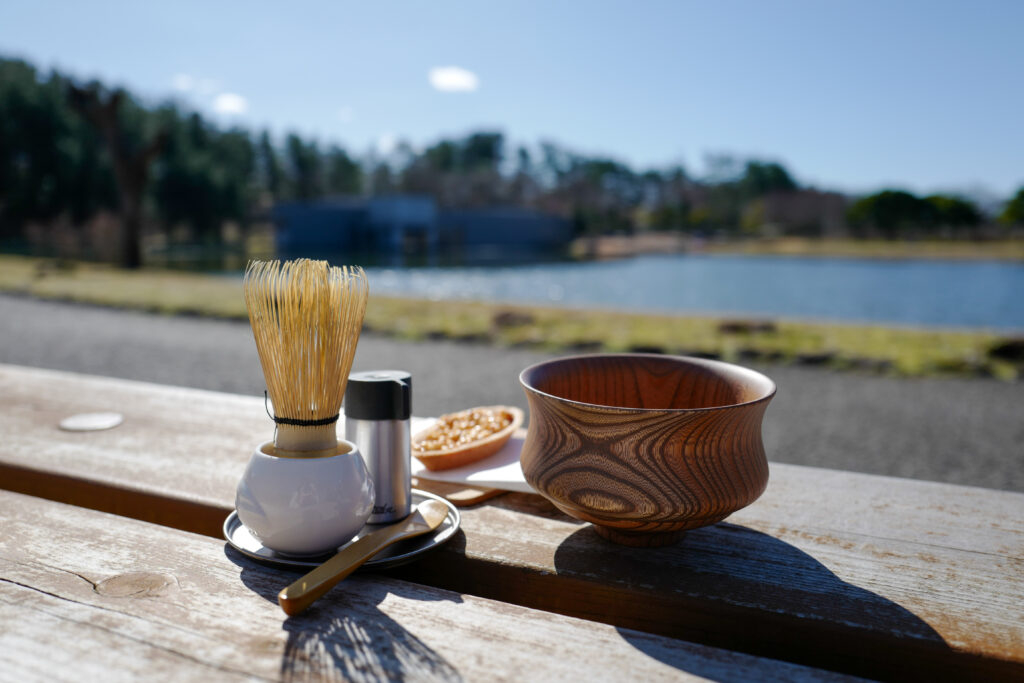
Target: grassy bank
899 351
953 250
621 246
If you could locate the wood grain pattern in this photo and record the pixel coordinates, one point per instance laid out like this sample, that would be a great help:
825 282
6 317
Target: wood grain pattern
643 446
873 575
176 459
88 596
815 571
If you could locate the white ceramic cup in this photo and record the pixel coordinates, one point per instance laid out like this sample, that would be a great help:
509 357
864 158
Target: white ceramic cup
305 506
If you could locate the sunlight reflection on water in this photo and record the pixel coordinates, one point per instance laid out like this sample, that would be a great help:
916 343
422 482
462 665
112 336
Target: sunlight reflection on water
941 293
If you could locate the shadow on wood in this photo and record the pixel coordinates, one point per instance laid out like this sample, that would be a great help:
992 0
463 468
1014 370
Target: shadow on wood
787 604
344 636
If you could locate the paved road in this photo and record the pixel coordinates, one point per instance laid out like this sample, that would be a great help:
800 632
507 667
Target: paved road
966 431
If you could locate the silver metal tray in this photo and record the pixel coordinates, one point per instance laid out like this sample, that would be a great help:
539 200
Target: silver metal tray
239 538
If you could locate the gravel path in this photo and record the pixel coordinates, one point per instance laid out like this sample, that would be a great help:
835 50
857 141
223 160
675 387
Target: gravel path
964 431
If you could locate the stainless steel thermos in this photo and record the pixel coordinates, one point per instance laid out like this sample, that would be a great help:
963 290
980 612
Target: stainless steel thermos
378 405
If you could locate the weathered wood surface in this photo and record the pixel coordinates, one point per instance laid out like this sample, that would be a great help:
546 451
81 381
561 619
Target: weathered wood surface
184 446
89 596
876 575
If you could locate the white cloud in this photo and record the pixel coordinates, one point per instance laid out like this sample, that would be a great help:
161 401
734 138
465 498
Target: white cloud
183 82
230 103
346 114
207 86
453 79
189 83
386 143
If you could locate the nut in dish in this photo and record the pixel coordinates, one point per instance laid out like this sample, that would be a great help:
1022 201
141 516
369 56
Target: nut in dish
462 438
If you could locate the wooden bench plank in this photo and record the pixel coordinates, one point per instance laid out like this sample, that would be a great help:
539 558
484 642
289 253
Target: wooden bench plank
861 573
89 596
850 602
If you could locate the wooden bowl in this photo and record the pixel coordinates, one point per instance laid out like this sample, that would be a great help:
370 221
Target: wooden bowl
474 451
645 446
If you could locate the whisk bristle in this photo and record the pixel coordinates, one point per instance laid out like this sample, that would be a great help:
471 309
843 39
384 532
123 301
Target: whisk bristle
306 316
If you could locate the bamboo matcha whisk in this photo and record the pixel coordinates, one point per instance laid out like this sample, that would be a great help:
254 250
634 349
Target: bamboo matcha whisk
306 317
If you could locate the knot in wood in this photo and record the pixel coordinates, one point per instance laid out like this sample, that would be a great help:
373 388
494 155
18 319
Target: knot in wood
138 585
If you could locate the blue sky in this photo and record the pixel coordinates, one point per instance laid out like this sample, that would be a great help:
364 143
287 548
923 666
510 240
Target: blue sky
850 95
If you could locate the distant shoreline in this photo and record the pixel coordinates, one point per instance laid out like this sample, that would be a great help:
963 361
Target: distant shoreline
624 246
866 348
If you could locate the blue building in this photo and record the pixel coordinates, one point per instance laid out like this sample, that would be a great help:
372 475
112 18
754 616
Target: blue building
332 225
413 225
508 229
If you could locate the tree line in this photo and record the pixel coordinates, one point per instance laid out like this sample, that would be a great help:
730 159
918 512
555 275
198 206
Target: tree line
71 153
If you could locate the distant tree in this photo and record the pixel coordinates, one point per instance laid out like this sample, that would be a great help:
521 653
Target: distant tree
344 175
760 178
605 191
131 156
953 212
269 164
523 188
482 151
671 216
604 171
303 167
443 157
51 161
556 163
722 168
418 177
524 162
732 189
1013 212
890 212
382 180
806 212
205 177
57 165
676 175
667 194
723 206
236 158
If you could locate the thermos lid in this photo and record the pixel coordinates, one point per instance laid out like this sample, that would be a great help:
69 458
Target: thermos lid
379 395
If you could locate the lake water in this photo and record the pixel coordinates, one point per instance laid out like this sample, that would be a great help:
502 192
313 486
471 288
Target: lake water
932 293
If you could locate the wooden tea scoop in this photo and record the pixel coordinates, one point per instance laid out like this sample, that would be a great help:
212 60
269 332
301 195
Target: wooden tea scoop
304 592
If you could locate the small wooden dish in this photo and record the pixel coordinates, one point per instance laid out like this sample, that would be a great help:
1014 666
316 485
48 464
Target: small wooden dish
474 451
